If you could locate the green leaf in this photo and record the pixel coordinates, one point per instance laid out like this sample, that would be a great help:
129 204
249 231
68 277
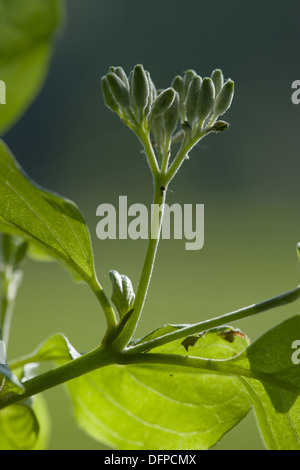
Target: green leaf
26 32
6 374
158 332
52 222
159 406
276 391
23 427
54 348
19 427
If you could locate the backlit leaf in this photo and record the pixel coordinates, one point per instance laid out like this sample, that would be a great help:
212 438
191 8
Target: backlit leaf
276 391
26 33
52 222
162 407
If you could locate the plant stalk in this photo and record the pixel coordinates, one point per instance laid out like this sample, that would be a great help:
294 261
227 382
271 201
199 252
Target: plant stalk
147 270
111 319
279 301
93 360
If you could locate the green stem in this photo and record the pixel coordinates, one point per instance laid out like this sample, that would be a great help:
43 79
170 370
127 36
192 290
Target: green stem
220 366
95 359
6 307
279 301
144 137
9 285
185 148
166 156
140 298
111 319
103 356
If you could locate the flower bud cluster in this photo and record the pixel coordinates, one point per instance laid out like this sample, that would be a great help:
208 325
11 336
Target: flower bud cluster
192 101
191 98
202 100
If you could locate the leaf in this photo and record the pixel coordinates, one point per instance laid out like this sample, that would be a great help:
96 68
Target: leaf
23 427
26 32
54 348
276 391
162 407
158 332
19 427
6 374
172 407
52 222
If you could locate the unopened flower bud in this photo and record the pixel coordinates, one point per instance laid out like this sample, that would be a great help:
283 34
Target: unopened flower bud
140 87
122 75
206 99
186 127
152 94
171 116
220 126
192 99
218 79
187 78
178 86
119 90
158 131
107 95
163 101
224 98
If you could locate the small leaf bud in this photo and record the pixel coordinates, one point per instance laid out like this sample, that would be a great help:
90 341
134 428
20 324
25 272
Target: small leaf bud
122 293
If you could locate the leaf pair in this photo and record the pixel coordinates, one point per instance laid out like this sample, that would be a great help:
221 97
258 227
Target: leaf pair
160 406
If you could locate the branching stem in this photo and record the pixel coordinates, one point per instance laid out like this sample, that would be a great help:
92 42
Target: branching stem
105 356
279 301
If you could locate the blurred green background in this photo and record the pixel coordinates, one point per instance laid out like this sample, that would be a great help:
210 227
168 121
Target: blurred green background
247 178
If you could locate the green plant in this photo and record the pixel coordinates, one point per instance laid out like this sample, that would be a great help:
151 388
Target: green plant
172 388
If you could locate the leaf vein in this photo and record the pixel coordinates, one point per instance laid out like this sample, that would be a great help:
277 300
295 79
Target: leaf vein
134 416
